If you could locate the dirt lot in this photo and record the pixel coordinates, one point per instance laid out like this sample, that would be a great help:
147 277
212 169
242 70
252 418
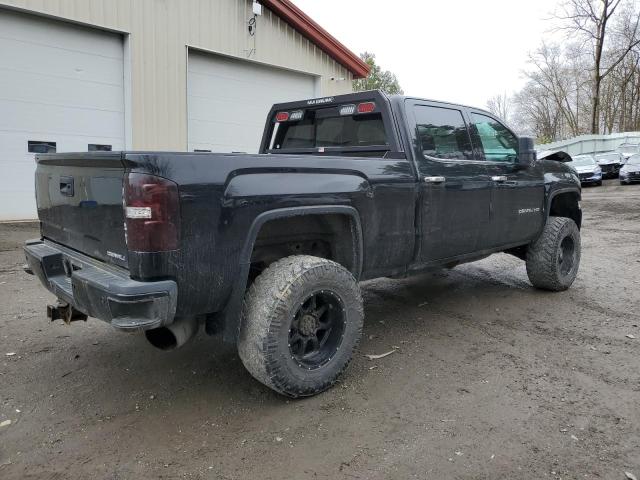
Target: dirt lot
492 379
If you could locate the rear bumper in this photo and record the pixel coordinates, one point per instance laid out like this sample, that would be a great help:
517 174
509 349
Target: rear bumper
100 290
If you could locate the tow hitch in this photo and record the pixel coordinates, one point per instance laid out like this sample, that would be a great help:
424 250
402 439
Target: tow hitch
65 312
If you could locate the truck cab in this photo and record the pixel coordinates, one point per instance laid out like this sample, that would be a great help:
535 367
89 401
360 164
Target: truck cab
474 191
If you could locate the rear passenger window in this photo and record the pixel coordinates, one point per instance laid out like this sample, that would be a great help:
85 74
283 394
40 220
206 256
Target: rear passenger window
326 128
498 143
442 133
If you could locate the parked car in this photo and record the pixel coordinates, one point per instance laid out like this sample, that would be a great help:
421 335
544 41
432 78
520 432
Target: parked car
628 149
630 172
268 248
610 163
588 170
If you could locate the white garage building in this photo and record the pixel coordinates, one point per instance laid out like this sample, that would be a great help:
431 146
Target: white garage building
79 75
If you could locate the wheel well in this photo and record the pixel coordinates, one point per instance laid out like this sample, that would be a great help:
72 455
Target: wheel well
330 236
566 205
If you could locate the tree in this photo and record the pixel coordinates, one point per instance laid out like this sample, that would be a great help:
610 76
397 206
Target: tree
537 114
500 106
377 79
591 19
588 83
560 75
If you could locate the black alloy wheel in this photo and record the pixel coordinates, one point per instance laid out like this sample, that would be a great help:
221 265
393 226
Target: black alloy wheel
566 255
317 329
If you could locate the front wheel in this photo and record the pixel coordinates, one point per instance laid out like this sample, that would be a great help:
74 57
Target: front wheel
553 259
302 319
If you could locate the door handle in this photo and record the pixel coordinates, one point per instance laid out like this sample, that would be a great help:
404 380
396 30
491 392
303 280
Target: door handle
434 179
499 178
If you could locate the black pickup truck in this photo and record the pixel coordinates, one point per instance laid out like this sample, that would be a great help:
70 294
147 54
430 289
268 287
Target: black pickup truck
268 249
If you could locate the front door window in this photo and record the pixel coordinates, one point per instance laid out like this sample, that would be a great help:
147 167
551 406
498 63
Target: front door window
498 143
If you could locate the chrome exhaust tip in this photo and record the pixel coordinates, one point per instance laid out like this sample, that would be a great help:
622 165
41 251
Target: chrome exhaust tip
175 335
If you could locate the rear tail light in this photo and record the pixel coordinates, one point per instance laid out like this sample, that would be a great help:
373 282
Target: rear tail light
366 107
152 212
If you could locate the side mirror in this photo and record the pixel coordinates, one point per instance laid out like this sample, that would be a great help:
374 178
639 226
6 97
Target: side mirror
526 151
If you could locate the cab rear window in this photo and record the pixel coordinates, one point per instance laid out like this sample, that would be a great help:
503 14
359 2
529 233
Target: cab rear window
327 128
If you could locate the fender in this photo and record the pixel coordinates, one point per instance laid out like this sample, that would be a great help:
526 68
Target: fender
558 179
233 310
549 201
558 191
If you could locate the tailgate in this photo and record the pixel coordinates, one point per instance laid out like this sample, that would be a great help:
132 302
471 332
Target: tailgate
79 198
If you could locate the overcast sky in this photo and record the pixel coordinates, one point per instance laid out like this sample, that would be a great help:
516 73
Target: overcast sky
463 51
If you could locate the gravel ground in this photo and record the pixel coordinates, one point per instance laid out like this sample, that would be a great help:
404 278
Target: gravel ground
492 380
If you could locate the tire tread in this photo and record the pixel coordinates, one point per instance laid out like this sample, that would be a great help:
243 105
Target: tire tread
541 259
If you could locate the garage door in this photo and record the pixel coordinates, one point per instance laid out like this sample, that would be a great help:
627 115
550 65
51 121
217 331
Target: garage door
61 89
229 99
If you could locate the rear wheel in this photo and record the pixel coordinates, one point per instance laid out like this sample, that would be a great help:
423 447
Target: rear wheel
302 320
553 259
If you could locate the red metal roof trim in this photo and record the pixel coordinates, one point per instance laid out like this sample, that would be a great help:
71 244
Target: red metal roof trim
318 35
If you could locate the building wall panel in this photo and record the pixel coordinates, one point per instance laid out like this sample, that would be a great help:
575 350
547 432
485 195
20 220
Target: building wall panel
159 33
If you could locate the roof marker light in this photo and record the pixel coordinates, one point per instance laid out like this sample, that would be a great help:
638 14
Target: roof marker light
282 116
347 109
297 115
366 107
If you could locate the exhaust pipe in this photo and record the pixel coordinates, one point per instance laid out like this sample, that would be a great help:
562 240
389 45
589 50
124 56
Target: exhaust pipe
175 335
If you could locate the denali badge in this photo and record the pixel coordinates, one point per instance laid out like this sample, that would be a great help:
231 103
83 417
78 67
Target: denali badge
116 255
528 210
